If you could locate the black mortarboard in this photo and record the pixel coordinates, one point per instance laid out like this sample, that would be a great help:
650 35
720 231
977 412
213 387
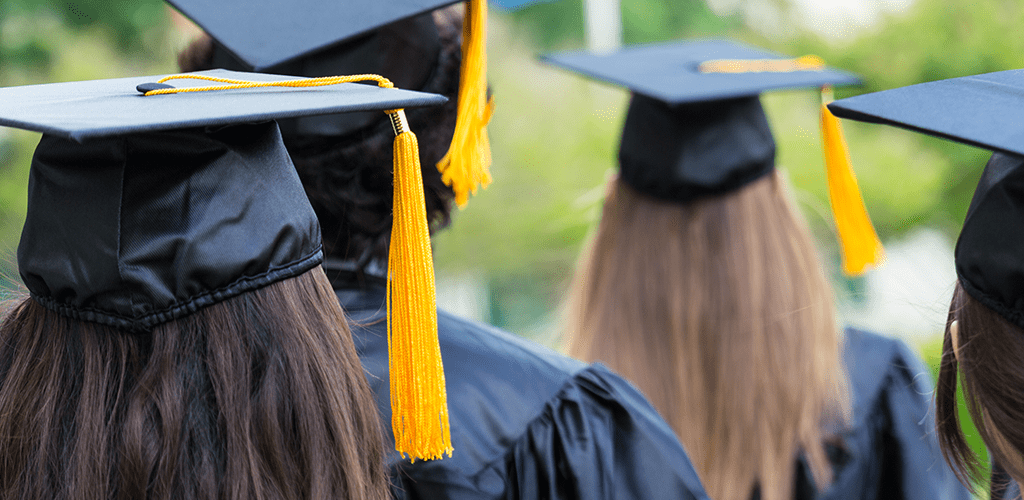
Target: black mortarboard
264 34
105 108
691 132
980 110
696 128
395 39
145 207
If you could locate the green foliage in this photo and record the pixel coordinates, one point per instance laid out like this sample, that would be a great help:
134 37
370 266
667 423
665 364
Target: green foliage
29 28
62 40
560 23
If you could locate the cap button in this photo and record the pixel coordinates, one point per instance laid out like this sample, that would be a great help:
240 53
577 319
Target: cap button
149 87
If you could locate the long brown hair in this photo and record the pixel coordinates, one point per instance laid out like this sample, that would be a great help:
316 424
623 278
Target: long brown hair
258 397
989 362
720 312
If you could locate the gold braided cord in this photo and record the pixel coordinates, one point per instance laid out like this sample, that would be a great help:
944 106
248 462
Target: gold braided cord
419 405
244 84
803 63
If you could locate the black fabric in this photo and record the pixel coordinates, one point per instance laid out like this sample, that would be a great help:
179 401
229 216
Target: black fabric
681 153
989 251
889 450
264 34
137 230
980 110
670 71
405 52
525 421
1010 492
1002 486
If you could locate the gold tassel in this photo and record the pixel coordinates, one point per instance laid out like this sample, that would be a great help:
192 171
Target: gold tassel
860 245
467 163
419 406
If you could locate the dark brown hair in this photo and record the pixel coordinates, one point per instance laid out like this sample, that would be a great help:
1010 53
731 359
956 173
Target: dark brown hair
348 179
258 397
720 312
989 362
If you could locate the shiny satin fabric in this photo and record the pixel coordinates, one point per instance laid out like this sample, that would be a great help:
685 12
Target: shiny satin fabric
890 449
689 151
526 422
990 248
405 52
133 231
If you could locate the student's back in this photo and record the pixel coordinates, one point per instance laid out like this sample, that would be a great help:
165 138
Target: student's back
525 422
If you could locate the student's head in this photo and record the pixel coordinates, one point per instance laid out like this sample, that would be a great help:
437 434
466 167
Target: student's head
342 160
180 339
702 284
983 350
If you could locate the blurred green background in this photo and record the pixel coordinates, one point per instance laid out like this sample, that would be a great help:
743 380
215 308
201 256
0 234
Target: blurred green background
509 255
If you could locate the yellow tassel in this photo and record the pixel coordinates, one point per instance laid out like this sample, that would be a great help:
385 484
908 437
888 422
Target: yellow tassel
861 247
467 163
419 406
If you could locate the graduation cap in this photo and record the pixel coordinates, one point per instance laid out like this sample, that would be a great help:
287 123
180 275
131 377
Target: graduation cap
696 128
984 111
152 197
317 38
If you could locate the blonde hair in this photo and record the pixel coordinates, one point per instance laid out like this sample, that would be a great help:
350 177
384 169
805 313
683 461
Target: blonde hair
720 312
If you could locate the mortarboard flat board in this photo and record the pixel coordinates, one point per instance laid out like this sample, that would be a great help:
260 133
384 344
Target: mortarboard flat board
265 33
980 110
268 33
669 71
100 108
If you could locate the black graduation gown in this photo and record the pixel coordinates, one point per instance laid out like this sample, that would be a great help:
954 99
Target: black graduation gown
890 449
526 422
1010 491
1002 486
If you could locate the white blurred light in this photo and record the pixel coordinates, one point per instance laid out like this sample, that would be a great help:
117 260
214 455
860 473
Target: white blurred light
604 25
831 18
908 296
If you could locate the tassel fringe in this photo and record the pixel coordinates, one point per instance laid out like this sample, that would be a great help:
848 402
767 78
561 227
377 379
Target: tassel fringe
419 406
467 164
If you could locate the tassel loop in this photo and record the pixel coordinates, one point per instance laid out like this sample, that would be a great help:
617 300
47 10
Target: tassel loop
861 248
419 406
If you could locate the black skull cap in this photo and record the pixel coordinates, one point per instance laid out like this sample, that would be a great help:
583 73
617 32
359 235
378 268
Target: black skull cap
144 209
